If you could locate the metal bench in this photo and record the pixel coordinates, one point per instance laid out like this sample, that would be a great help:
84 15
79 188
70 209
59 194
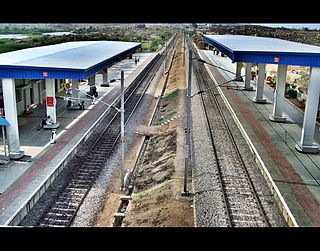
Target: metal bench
52 126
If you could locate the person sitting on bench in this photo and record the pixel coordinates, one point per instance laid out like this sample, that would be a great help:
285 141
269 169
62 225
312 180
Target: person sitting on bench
49 121
46 121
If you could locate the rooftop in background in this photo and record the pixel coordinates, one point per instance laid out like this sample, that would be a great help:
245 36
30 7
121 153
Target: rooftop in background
265 50
73 60
311 26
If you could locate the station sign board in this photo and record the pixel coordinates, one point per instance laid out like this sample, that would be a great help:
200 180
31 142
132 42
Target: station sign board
50 101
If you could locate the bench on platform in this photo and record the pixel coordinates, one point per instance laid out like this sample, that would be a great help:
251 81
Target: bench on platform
52 126
75 107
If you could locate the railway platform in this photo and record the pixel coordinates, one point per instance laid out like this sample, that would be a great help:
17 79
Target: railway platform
23 181
296 175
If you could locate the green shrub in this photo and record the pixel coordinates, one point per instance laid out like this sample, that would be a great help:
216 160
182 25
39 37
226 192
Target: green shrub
292 93
10 47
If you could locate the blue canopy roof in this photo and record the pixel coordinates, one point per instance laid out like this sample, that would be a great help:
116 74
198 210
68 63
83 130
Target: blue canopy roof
72 60
265 50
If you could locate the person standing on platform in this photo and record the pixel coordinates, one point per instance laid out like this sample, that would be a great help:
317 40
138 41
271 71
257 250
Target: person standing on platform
81 105
53 136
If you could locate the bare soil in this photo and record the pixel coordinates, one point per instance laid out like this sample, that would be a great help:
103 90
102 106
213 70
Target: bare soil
156 199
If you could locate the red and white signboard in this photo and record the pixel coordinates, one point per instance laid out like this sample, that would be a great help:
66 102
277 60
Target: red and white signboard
276 60
50 101
45 74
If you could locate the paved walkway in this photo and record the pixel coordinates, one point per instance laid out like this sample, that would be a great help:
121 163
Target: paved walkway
296 175
19 179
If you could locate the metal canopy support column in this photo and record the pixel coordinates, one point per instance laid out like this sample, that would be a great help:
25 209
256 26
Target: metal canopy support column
92 80
238 71
10 107
122 140
51 99
75 92
260 86
105 81
28 97
279 95
187 128
247 79
307 144
35 90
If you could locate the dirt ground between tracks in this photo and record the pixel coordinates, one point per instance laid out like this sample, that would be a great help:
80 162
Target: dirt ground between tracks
156 199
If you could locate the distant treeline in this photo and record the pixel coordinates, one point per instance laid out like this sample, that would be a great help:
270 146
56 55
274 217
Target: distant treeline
305 35
24 30
150 39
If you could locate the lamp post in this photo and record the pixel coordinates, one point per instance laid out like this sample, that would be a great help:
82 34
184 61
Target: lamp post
122 140
122 130
187 127
165 57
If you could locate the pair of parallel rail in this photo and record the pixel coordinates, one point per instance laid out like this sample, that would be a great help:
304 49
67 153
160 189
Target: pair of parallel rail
242 206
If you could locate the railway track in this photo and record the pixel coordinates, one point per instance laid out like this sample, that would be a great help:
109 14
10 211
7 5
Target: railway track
132 177
242 207
91 159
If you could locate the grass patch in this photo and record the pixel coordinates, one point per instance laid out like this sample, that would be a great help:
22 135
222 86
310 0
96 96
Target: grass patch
169 104
162 119
10 47
172 96
140 194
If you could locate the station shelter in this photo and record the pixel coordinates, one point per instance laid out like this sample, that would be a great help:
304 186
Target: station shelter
33 76
264 50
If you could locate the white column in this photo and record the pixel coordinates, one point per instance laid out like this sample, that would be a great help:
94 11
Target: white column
260 86
307 143
35 89
238 71
75 92
41 91
279 95
28 97
10 107
51 100
247 79
105 81
92 80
